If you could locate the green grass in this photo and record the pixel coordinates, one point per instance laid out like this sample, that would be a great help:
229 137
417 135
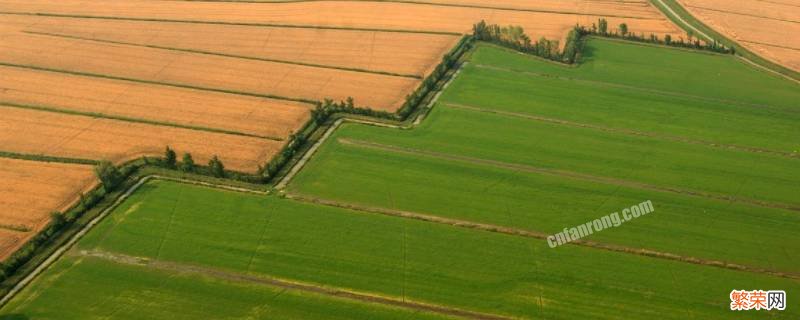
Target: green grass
97 289
268 236
632 158
707 229
772 128
435 181
660 68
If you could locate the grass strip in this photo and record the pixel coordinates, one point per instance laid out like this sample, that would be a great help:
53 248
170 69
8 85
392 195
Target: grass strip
46 158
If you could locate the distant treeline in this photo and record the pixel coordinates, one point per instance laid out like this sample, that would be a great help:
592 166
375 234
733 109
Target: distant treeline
514 37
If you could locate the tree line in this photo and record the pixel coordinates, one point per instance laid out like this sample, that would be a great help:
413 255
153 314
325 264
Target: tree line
601 28
514 37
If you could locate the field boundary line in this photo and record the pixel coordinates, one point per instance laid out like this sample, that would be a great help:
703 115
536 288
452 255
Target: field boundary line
46 158
641 89
134 120
436 4
536 235
56 254
337 292
768 65
284 182
623 131
230 23
227 55
568 174
150 82
742 14
69 244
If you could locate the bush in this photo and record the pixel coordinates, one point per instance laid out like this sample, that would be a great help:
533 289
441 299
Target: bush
108 174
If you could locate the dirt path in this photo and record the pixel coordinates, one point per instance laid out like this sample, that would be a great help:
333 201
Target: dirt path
569 174
624 131
285 284
539 235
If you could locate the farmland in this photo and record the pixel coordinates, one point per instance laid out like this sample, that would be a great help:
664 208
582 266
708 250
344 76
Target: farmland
56 134
30 191
382 161
210 110
449 217
196 232
122 80
768 28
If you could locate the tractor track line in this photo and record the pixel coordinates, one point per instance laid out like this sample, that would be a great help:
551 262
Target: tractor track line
286 284
624 131
568 174
538 235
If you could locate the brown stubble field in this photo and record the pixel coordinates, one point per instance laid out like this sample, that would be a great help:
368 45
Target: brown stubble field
29 191
55 134
373 15
770 29
207 71
398 53
250 115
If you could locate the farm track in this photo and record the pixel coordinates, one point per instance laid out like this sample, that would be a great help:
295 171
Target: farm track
624 131
134 120
203 52
175 85
538 235
284 284
268 25
439 4
568 174
629 87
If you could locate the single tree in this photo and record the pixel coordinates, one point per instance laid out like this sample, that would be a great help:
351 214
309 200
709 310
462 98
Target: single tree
623 29
603 25
216 167
187 165
108 174
668 39
170 158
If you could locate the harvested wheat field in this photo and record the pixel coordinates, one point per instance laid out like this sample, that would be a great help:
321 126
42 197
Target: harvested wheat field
250 115
397 53
357 14
29 191
207 71
770 29
637 9
55 134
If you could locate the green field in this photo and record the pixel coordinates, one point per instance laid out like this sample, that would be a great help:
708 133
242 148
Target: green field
513 142
479 165
191 227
